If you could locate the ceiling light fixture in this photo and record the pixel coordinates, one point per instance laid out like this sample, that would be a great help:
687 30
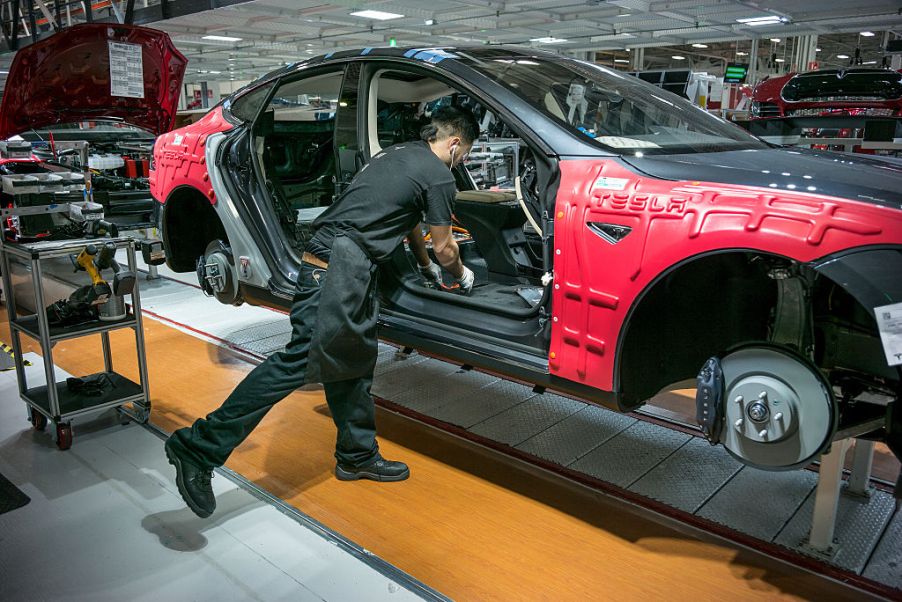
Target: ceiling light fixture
864 63
768 20
549 40
780 60
678 57
378 15
621 61
222 38
741 53
777 40
842 56
430 21
867 34
699 45
817 49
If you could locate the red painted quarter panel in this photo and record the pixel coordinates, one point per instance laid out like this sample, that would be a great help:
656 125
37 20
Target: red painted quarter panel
179 158
596 282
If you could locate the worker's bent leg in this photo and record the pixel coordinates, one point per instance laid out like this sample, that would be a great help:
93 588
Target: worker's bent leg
210 441
354 414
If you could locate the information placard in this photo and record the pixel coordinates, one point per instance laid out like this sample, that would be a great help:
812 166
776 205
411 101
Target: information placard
126 70
889 323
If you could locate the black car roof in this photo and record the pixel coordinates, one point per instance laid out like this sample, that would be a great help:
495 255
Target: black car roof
433 55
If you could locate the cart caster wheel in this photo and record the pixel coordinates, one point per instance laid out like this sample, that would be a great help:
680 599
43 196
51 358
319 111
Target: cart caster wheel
64 436
38 420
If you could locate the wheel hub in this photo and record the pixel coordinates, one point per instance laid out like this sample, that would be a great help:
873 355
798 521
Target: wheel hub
778 411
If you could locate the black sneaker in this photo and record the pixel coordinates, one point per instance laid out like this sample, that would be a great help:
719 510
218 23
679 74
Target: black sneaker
380 470
193 482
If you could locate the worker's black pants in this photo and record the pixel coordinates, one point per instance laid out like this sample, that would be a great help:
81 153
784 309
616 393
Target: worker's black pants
210 441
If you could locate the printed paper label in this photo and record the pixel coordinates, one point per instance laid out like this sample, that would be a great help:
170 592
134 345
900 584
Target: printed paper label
611 183
126 70
889 323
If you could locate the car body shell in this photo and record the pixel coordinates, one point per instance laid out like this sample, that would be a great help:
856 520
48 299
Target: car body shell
673 220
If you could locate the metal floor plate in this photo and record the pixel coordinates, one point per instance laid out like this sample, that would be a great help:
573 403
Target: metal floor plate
489 401
885 565
688 478
527 419
630 454
859 524
576 435
760 503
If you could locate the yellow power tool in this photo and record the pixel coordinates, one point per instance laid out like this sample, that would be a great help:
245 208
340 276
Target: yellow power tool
100 291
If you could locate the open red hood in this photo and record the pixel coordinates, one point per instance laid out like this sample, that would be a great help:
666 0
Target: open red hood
67 78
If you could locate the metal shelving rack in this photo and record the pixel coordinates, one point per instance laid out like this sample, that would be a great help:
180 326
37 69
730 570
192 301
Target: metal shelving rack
57 403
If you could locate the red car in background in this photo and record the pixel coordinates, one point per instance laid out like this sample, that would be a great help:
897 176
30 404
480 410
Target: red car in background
829 103
830 92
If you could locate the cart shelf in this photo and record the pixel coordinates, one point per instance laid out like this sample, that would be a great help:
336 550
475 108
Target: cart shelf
71 404
29 326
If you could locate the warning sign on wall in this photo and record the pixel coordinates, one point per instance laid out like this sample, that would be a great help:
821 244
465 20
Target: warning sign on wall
126 70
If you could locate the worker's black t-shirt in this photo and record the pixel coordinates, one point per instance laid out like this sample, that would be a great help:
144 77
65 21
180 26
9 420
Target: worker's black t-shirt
400 187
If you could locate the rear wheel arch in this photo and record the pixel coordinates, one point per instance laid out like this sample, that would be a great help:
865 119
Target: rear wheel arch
189 224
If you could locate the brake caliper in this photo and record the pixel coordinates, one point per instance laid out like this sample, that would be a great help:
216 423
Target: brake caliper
709 406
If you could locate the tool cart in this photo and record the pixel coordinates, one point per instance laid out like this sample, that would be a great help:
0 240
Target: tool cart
71 398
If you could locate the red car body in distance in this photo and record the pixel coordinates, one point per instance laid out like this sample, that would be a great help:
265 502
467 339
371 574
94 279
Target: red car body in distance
851 92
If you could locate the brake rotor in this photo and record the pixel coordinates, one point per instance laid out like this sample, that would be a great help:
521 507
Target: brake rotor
778 411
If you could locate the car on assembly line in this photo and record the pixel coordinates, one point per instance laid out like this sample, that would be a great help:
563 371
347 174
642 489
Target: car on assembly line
857 91
858 102
623 239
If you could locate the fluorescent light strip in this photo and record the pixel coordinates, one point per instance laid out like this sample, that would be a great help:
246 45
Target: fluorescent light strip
549 40
222 38
378 15
755 21
677 57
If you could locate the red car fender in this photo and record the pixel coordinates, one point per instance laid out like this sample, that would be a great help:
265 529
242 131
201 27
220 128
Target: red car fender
596 282
180 160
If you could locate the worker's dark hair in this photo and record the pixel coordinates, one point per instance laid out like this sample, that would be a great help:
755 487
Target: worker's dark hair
451 121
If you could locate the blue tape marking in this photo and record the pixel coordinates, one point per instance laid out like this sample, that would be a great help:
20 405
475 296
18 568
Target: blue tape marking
366 51
432 55
328 56
412 52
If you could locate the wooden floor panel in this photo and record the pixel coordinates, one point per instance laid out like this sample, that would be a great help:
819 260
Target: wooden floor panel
470 522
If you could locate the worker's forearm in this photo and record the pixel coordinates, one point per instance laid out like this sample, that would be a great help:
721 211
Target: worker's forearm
418 246
449 257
